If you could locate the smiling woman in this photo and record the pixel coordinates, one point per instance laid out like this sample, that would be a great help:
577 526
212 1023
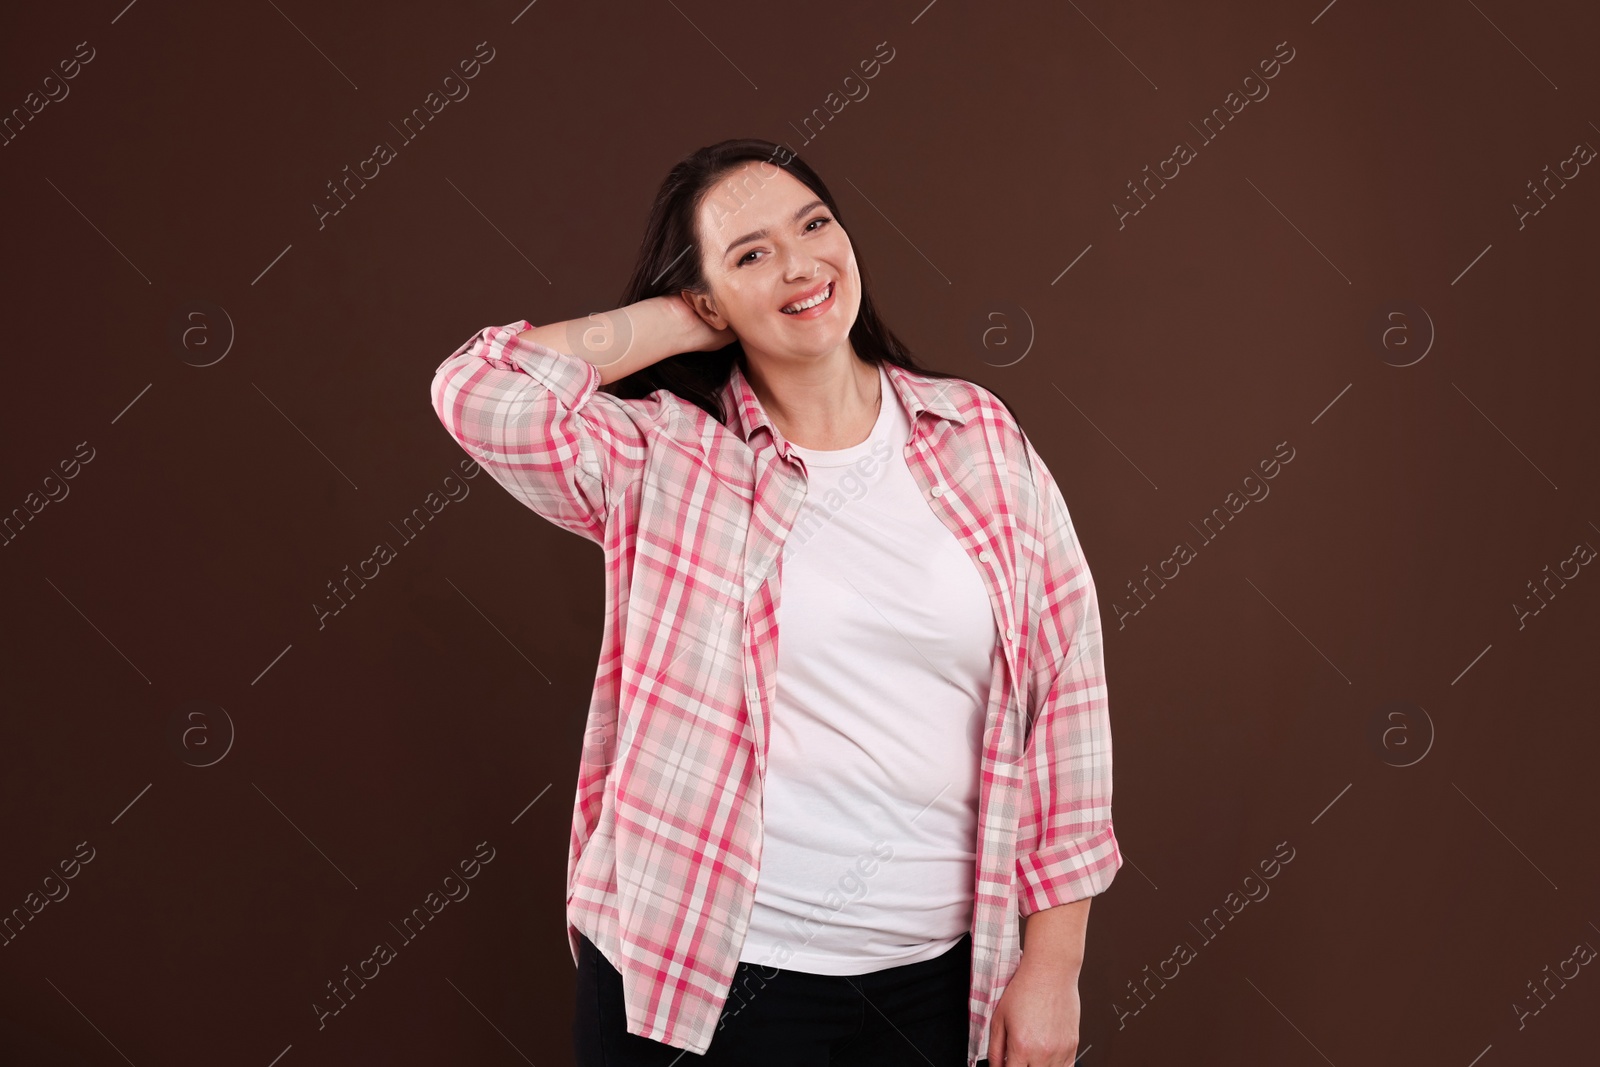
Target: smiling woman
940 692
716 203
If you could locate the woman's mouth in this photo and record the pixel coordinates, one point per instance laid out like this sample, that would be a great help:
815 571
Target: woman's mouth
813 306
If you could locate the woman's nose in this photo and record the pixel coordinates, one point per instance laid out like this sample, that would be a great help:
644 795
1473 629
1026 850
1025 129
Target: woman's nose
798 267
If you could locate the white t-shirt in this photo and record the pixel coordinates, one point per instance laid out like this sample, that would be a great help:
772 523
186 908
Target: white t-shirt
885 644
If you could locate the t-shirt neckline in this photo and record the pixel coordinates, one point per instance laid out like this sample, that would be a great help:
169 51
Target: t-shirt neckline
840 457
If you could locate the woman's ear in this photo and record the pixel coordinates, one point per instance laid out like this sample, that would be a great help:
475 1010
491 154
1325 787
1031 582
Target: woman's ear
705 308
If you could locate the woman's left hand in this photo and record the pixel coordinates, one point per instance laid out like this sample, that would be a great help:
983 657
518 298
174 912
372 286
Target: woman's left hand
1036 1022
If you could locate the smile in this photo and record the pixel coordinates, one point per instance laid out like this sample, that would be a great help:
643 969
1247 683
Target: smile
812 306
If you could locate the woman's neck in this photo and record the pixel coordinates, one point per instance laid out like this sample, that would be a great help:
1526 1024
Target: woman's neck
826 404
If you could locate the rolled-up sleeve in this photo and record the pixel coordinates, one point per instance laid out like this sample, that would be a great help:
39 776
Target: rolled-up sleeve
1066 848
534 418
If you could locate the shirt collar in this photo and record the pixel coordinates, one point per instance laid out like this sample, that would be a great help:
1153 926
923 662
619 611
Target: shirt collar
916 392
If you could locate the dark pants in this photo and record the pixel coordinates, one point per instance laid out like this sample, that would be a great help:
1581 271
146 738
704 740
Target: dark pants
779 1018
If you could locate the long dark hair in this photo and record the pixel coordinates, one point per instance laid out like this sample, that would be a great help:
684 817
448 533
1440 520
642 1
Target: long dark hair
669 262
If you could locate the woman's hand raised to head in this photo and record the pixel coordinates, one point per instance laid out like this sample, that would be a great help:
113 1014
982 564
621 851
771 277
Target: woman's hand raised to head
696 335
631 338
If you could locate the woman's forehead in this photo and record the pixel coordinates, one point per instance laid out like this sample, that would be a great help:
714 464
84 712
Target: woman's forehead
756 194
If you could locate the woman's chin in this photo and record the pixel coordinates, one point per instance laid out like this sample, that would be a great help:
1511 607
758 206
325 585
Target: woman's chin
812 351
808 344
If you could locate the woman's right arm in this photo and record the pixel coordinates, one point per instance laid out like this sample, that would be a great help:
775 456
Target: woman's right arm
524 402
631 338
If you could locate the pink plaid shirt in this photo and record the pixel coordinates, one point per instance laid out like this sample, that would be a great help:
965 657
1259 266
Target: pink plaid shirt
692 517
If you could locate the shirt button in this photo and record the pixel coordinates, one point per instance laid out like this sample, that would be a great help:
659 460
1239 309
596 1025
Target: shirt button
1011 635
983 557
937 490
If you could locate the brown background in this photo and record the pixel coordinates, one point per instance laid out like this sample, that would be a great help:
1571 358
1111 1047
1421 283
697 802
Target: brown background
1235 312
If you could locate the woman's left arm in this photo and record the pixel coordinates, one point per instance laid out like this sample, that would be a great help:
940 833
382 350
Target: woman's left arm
1066 849
1036 1021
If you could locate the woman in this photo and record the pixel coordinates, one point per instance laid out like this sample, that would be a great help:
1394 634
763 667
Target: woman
814 851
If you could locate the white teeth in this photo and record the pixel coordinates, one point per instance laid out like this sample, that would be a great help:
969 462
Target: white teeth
813 302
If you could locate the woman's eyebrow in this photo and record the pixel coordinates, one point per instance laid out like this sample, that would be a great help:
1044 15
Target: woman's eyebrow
756 235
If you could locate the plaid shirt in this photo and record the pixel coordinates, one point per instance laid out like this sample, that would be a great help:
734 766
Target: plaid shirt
692 517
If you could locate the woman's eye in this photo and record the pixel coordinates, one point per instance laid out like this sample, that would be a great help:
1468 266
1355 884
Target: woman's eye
820 218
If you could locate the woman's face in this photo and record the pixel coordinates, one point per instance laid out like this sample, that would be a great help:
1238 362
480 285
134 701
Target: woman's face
766 243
